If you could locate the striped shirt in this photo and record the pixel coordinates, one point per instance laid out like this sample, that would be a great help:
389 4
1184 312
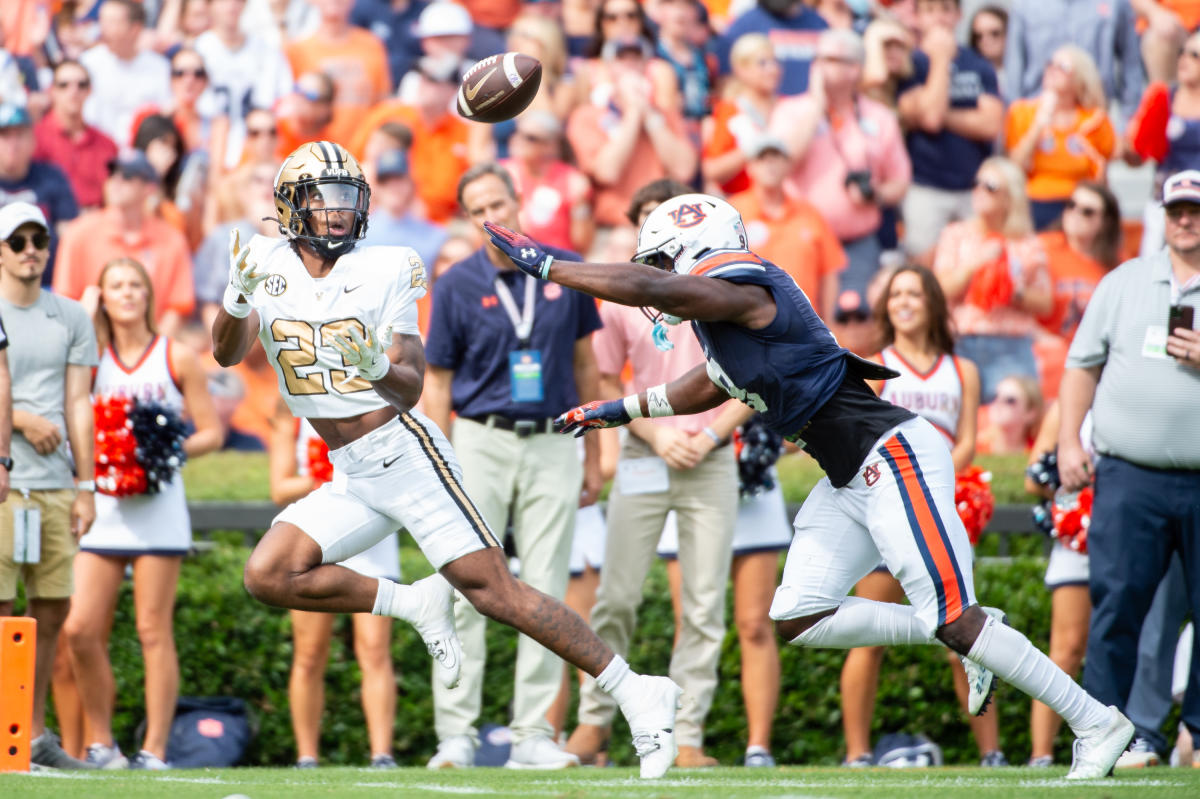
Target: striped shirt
1145 406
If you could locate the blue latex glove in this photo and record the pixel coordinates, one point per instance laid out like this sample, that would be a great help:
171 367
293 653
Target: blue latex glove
529 256
592 416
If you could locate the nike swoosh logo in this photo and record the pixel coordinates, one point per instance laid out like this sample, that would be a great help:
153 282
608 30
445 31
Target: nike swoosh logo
471 91
347 289
389 461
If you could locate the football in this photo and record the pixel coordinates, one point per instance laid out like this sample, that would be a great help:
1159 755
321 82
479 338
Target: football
499 87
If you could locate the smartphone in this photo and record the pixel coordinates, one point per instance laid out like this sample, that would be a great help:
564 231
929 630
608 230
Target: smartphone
1180 316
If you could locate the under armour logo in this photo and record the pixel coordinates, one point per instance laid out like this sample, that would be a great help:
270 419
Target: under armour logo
528 252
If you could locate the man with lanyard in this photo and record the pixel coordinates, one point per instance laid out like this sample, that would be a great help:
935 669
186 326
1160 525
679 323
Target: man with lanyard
508 354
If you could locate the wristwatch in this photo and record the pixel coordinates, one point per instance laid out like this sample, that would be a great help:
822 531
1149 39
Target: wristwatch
6 462
86 485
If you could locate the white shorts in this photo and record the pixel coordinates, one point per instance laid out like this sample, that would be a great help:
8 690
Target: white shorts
145 524
899 508
1066 567
587 545
381 560
762 526
402 474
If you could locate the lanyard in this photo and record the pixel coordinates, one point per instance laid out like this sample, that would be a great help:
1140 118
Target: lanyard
523 323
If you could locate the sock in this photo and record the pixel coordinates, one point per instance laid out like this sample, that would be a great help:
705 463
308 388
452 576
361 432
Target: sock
757 750
1009 654
865 622
383 598
617 681
395 600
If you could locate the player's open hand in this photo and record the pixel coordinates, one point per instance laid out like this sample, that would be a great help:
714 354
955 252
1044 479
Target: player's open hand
529 256
242 274
592 416
368 357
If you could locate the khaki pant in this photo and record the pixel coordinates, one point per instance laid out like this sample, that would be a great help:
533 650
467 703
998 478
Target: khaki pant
705 503
537 479
52 577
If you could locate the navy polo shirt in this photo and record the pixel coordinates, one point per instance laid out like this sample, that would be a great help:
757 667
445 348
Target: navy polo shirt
945 160
471 334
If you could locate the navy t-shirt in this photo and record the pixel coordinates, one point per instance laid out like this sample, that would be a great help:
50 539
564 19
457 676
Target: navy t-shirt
48 188
471 334
946 160
794 40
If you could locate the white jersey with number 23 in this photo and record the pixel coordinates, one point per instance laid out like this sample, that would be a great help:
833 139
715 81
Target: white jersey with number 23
299 315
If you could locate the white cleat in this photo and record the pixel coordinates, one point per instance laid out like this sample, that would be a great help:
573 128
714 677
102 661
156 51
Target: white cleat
457 751
981 682
653 725
435 622
1097 751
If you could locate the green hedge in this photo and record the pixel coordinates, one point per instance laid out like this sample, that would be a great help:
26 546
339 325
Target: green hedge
231 645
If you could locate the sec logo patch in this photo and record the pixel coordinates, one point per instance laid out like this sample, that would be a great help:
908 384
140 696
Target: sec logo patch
275 285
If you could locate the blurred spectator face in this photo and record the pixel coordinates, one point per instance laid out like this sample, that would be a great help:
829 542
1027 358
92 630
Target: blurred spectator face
932 14
189 78
896 55
550 9
768 169
226 14
759 69
442 45
70 89
118 30
127 192
393 194
455 249
434 95
74 36
28 264
989 33
841 74
162 153
124 294
990 194
194 19
487 199
1059 76
1084 214
620 19
337 11
258 192
907 305
1013 409
676 18
16 151
1188 69
314 108
538 139
1183 227
262 135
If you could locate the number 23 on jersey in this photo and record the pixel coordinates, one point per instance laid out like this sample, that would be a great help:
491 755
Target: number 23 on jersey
297 354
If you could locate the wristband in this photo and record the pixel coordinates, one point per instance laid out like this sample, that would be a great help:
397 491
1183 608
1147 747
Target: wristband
708 431
633 406
86 485
238 310
656 401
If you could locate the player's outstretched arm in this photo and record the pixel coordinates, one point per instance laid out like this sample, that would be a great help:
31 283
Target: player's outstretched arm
685 296
232 337
693 392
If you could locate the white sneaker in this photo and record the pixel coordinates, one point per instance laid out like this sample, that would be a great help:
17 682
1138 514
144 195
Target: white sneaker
457 751
147 761
1097 751
981 682
539 752
1140 754
106 757
653 725
435 622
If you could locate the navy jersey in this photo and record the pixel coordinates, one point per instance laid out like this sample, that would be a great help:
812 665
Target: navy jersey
808 388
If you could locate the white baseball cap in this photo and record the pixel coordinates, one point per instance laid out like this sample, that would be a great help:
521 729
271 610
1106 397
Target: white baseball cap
444 18
13 215
1182 187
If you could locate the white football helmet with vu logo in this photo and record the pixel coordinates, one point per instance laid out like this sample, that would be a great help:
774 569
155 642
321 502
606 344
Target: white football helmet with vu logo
681 231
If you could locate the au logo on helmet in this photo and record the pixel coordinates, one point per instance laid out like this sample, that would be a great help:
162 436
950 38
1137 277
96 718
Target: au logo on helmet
687 215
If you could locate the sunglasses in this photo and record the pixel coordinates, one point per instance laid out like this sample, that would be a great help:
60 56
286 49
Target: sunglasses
1087 211
1192 54
613 16
1062 65
40 241
990 33
256 132
73 84
195 73
1008 399
991 187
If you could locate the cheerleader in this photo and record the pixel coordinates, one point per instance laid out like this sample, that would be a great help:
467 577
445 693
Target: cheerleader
943 389
299 462
151 531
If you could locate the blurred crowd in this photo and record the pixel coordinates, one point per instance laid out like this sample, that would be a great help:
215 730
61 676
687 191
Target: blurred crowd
966 143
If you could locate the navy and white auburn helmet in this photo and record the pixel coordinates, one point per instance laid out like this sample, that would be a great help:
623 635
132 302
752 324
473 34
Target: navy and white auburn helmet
320 181
684 229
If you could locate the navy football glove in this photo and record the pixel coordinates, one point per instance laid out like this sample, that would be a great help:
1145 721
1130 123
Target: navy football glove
592 416
529 256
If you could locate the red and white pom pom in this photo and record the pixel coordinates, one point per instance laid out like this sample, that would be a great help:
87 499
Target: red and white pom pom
319 467
1072 517
118 472
974 501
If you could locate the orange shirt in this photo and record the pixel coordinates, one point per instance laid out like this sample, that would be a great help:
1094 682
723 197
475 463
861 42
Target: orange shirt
340 129
1075 277
95 238
1188 12
438 157
1064 156
357 63
799 241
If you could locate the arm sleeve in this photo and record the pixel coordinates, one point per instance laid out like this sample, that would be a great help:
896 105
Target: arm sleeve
401 309
3 336
82 349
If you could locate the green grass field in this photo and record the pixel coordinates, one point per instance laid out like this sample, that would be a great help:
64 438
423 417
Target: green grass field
725 783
